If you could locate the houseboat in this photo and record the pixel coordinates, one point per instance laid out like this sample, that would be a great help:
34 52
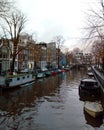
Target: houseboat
17 80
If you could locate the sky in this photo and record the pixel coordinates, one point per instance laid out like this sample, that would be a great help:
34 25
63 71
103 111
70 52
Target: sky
50 18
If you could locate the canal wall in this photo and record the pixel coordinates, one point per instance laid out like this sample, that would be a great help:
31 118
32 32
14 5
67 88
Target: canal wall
100 78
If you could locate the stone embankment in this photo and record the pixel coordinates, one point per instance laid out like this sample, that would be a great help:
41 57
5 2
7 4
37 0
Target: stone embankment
100 78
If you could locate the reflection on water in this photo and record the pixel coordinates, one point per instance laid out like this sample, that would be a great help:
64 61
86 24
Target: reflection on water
18 106
63 75
49 104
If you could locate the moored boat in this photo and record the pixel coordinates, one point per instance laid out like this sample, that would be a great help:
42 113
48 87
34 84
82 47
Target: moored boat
90 74
12 81
53 72
94 109
48 73
89 85
40 75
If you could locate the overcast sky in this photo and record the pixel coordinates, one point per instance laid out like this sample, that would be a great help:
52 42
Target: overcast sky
49 18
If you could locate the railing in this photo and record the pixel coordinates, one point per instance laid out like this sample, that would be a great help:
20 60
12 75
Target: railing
99 77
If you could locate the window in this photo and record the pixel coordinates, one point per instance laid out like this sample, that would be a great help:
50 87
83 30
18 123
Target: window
18 78
23 77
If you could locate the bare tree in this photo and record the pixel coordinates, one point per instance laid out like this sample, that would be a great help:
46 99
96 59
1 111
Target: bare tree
97 50
5 6
12 28
59 40
70 57
76 50
95 28
67 54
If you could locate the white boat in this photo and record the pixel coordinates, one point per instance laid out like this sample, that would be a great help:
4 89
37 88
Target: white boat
94 109
16 80
40 75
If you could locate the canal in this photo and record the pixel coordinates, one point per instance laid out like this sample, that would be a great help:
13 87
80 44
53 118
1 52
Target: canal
52 103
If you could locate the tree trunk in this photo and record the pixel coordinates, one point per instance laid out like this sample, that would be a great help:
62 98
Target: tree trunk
58 61
103 63
12 64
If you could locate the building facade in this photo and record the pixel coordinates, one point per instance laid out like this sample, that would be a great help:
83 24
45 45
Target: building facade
51 55
4 56
29 54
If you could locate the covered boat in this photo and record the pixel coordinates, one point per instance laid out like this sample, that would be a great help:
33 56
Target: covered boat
89 85
94 109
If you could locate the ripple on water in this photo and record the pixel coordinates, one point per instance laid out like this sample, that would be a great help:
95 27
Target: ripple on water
51 104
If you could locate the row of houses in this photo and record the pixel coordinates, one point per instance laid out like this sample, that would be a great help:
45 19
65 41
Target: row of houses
29 54
83 58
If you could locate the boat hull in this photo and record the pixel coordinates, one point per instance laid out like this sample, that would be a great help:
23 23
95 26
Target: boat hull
94 109
17 81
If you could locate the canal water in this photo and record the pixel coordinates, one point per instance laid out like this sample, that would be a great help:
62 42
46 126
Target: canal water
52 103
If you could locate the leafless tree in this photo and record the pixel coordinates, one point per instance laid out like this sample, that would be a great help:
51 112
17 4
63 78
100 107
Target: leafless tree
59 40
5 6
95 28
76 50
71 57
12 28
67 55
98 52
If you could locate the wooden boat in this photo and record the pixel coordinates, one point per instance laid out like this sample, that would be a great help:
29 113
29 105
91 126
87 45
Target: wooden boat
94 109
12 81
94 122
89 85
